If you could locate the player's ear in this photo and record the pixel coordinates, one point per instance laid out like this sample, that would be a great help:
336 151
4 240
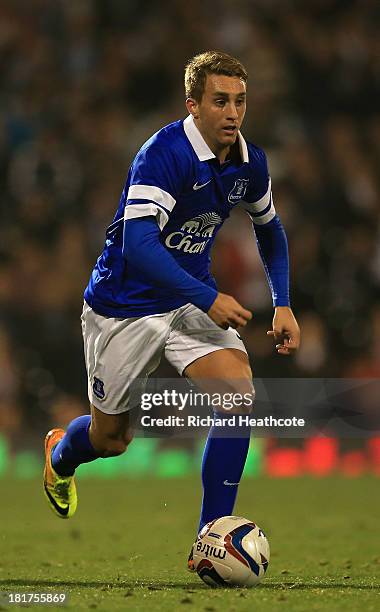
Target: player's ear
192 107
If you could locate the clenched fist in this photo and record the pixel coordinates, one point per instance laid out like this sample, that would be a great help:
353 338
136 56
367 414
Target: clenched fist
227 312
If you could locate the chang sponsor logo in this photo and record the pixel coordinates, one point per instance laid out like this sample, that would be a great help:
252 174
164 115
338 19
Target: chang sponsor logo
202 226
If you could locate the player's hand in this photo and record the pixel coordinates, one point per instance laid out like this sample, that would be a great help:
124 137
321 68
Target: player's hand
285 330
227 312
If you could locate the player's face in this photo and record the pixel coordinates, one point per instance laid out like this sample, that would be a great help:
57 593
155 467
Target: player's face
221 111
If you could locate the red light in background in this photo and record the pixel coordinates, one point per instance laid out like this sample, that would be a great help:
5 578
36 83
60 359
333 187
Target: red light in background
321 455
373 445
284 462
353 463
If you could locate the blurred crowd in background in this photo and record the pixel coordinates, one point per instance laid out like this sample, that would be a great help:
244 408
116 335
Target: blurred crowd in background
84 83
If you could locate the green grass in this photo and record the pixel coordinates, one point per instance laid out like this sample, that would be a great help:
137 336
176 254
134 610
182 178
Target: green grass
127 546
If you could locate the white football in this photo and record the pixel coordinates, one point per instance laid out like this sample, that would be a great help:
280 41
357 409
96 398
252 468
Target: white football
231 551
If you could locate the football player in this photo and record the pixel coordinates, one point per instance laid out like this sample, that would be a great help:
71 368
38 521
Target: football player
151 292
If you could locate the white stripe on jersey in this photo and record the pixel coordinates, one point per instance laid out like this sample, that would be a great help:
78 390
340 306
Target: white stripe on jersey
134 211
148 192
265 218
256 207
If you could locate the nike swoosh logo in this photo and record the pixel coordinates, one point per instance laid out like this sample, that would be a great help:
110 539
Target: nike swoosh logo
63 510
196 186
230 484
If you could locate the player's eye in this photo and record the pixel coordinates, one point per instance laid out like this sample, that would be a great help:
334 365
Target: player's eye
220 102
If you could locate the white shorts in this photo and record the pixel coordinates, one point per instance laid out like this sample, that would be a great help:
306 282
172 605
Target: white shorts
119 351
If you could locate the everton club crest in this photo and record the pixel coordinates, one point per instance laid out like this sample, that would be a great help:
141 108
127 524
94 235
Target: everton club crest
98 388
238 190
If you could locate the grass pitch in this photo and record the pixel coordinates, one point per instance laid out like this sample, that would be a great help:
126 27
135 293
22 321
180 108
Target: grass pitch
127 546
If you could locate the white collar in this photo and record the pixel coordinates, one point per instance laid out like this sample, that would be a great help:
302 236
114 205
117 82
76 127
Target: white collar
200 146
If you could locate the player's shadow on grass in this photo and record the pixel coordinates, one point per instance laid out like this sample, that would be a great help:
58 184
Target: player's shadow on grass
291 586
111 584
159 585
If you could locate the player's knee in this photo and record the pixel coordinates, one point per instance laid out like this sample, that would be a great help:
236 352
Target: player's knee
112 446
246 405
239 398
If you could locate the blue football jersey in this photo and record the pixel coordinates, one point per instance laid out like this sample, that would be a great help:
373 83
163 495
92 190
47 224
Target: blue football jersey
176 178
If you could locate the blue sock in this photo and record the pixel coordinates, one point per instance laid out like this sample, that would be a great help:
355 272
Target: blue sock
222 466
74 448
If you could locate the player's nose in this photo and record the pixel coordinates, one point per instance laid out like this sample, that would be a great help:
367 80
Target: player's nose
232 112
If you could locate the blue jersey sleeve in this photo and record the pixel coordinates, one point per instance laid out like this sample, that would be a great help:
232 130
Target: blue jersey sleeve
154 182
142 247
273 248
270 234
258 200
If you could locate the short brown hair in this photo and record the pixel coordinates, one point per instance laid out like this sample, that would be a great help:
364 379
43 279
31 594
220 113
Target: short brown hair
210 62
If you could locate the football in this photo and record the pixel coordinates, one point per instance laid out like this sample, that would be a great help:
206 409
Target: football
231 551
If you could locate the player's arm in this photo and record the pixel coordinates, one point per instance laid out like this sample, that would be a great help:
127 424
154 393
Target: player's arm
273 248
157 178
143 250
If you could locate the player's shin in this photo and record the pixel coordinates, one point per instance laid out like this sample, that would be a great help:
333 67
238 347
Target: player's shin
74 448
222 467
